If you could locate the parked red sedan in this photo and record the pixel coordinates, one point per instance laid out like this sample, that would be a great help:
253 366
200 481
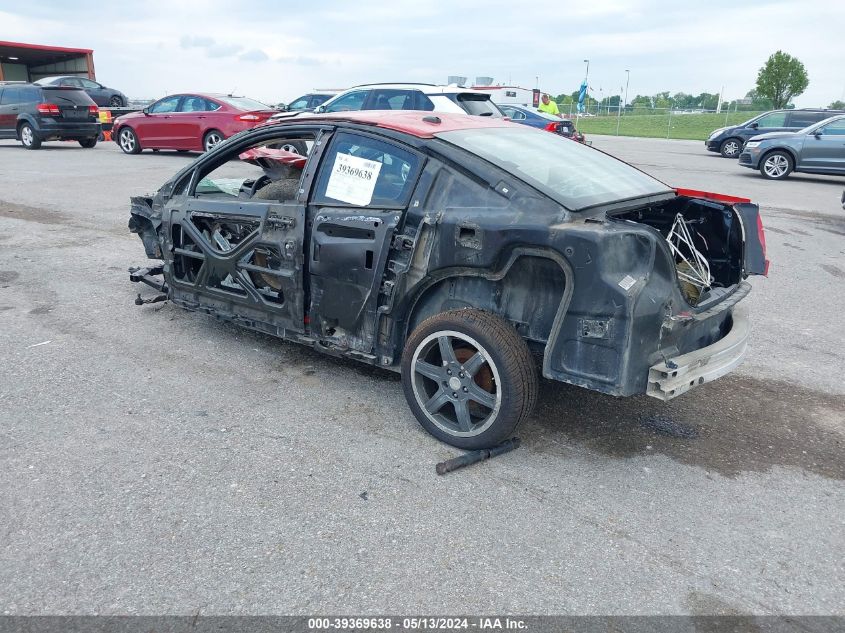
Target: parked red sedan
196 121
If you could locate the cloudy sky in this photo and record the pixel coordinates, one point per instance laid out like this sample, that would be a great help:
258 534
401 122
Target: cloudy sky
275 51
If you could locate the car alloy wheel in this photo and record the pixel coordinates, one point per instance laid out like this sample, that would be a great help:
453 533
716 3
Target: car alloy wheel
468 377
116 102
776 166
27 137
468 386
128 141
731 148
212 139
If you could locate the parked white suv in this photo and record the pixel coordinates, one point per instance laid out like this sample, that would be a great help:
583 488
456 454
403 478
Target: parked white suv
412 97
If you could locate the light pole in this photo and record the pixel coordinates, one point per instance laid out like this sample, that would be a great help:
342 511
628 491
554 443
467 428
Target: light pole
627 79
619 111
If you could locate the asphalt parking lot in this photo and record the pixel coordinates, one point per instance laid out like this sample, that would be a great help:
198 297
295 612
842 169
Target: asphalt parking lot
155 461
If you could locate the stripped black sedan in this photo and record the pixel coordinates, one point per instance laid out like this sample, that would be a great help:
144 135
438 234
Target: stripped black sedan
471 254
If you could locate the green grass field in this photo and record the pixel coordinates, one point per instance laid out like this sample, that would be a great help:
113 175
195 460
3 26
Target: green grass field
695 127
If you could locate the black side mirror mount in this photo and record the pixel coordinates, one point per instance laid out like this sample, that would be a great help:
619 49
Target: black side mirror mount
146 111
753 126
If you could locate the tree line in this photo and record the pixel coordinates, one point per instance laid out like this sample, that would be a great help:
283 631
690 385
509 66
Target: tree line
779 80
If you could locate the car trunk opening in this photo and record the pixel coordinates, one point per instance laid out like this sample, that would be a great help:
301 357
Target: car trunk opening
708 241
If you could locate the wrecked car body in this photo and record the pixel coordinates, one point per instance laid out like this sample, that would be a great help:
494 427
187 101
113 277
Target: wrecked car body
468 253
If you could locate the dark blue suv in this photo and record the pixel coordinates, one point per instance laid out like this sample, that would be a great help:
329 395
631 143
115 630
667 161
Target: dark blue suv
728 141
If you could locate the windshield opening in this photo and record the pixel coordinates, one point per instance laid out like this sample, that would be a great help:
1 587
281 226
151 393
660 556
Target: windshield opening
570 173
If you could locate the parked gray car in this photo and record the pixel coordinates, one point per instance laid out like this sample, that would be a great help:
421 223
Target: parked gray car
102 96
817 149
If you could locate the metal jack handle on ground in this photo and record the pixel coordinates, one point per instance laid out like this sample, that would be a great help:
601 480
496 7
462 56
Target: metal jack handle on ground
473 457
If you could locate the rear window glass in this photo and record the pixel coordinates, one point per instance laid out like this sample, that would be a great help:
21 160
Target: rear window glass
244 103
574 175
479 105
66 95
20 94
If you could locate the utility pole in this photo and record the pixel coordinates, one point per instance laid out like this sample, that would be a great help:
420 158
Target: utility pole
619 111
627 80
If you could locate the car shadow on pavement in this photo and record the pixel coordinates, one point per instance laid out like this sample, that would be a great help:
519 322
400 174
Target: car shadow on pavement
735 425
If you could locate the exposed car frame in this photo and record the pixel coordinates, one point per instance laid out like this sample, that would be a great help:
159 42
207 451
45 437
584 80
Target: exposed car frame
471 254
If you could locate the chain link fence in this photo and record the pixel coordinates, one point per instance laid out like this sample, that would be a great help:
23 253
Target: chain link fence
670 123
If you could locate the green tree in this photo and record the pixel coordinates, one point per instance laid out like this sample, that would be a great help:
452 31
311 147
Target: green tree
683 100
662 100
781 78
837 105
707 101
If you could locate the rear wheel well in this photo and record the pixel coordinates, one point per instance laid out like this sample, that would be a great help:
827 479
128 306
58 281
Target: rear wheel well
528 295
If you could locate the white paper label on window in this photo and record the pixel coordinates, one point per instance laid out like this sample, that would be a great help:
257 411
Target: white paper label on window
353 179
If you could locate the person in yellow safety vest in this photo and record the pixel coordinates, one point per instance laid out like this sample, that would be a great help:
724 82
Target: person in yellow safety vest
548 106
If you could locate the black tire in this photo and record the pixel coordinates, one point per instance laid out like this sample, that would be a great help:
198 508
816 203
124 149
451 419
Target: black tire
88 143
485 389
731 148
212 138
128 141
776 165
116 102
28 136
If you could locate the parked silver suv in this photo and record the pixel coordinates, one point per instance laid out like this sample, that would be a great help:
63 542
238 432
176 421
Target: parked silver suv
817 149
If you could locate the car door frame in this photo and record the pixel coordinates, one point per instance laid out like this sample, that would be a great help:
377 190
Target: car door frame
748 132
9 112
370 229
280 226
155 122
819 151
188 126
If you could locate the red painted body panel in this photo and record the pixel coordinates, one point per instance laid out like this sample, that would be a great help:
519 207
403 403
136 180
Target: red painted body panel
708 195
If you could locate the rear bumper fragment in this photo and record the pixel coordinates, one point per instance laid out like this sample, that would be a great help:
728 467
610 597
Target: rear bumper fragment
678 375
